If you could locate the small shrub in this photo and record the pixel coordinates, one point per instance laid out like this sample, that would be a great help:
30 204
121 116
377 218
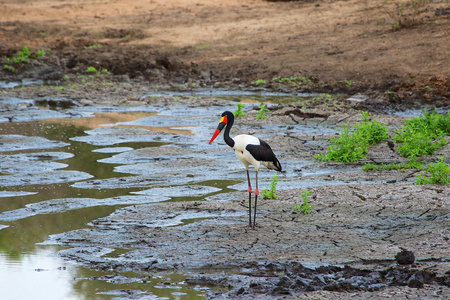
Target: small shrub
348 147
271 193
423 134
303 208
240 111
438 173
372 131
262 112
91 69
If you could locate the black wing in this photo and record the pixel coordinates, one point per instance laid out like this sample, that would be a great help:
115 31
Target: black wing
263 152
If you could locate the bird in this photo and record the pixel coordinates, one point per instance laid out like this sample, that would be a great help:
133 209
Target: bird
249 150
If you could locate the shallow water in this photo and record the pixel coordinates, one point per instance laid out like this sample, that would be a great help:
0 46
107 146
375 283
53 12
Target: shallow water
37 202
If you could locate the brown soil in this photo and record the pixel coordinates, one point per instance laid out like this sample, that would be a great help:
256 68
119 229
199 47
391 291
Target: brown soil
224 43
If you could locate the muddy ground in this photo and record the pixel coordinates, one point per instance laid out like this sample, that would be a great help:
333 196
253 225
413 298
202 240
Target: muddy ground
347 247
354 231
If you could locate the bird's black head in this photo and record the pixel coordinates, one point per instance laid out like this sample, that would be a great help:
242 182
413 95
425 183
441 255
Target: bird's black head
227 118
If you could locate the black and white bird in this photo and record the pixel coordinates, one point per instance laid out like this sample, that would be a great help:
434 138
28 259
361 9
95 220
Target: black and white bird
249 150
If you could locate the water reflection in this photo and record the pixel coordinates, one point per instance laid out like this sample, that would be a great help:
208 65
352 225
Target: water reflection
22 260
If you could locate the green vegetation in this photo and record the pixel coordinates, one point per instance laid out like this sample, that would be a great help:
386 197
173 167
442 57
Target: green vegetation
348 83
271 193
259 82
303 208
92 69
262 112
93 46
292 81
412 164
240 111
371 131
438 173
351 146
23 57
423 135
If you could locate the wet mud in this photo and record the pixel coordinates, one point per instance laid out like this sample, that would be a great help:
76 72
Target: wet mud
180 204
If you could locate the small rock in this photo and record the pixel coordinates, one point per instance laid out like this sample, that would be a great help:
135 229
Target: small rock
415 283
405 257
358 98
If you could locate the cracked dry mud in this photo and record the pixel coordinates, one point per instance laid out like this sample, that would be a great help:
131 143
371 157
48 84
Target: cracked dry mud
346 246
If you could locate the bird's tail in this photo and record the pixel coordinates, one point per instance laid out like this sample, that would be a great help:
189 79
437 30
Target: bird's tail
275 165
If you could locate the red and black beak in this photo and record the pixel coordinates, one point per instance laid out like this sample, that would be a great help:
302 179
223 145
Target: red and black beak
221 126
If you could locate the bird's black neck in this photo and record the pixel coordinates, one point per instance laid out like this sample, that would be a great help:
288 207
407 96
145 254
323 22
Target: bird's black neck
226 134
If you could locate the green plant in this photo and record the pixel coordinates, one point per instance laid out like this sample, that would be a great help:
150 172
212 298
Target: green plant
348 83
346 147
259 82
93 46
395 26
438 173
23 57
262 112
293 81
8 66
92 69
303 208
412 164
352 146
271 193
240 111
40 53
423 134
372 131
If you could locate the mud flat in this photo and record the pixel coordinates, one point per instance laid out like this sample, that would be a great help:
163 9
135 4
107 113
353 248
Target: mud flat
346 247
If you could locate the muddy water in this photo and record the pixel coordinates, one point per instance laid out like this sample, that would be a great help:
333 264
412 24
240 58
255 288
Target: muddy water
36 202
62 169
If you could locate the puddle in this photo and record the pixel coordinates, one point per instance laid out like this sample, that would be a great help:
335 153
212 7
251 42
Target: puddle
24 82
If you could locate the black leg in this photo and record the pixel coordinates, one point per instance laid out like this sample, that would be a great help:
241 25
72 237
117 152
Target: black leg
249 201
256 199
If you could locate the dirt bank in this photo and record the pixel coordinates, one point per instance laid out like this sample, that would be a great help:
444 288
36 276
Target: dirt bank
398 47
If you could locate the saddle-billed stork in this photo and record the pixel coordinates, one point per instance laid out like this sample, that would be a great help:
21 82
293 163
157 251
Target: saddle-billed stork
250 151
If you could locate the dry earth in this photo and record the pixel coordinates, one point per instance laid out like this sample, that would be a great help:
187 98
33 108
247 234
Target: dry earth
341 45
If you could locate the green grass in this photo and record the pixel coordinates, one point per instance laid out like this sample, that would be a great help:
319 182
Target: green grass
304 208
353 144
271 193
